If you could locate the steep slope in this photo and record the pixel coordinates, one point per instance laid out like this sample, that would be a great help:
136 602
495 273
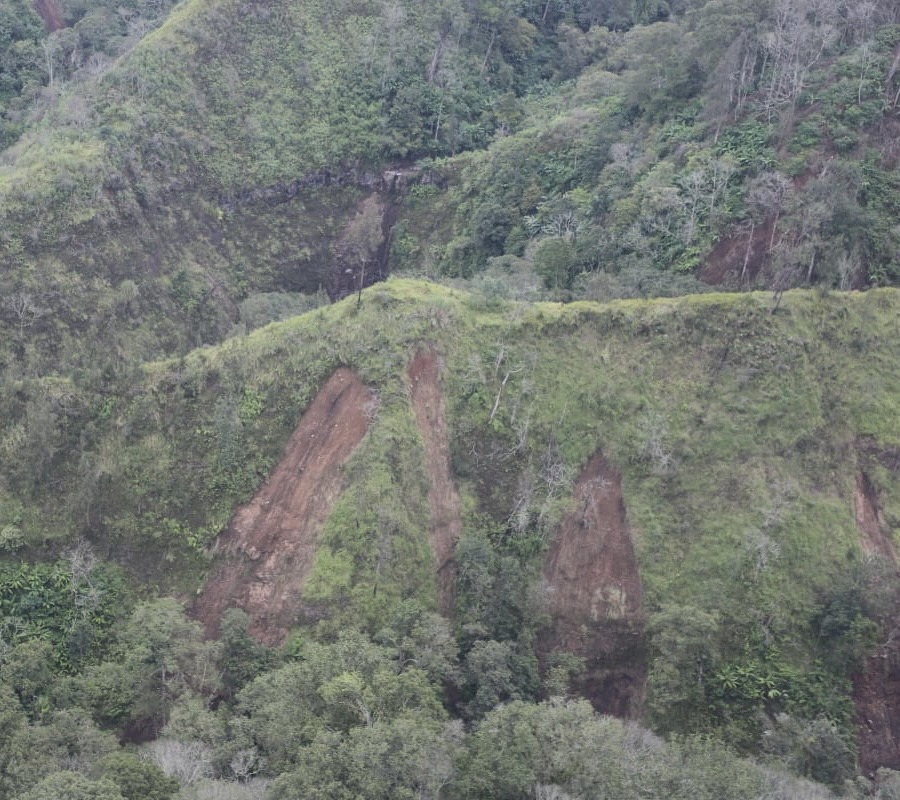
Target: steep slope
266 553
204 171
443 500
719 447
50 14
876 695
876 683
221 158
874 531
594 593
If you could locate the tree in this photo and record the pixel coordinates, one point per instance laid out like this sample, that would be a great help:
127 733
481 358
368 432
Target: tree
283 709
408 758
814 748
137 778
187 761
362 239
684 641
660 65
164 655
799 34
12 723
28 669
421 639
64 740
243 658
497 672
25 309
555 261
766 197
72 786
520 747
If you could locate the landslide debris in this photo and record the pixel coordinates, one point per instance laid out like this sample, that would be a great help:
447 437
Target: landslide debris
443 499
875 535
264 556
594 593
876 687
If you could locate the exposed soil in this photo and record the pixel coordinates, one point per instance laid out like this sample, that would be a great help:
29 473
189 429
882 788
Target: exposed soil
594 593
874 533
876 695
50 14
730 263
443 499
876 689
345 273
263 558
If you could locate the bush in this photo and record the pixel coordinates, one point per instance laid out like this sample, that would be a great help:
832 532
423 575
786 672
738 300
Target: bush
555 261
813 748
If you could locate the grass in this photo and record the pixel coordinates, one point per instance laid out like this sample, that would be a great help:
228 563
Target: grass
739 435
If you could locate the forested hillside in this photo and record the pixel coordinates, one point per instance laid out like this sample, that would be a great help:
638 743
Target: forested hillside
627 445
165 184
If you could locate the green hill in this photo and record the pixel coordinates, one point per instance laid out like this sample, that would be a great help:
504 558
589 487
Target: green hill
184 172
751 451
484 355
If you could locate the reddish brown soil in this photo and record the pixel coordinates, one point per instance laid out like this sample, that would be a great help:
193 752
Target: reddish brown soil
264 556
443 500
725 264
50 14
874 532
876 689
594 593
876 695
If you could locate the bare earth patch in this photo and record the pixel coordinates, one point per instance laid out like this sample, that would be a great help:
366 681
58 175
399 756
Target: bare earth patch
876 689
738 260
443 499
594 593
50 14
876 696
263 558
874 532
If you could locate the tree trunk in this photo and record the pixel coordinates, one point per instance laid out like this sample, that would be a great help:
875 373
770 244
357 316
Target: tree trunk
487 54
436 58
748 251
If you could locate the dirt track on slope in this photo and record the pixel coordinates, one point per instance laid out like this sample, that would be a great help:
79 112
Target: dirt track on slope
263 558
594 593
443 499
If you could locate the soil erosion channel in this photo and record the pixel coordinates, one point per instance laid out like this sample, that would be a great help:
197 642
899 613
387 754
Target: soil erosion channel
443 500
264 556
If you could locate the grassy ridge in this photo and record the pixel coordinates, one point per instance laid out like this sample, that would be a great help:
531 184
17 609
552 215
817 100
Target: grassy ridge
675 391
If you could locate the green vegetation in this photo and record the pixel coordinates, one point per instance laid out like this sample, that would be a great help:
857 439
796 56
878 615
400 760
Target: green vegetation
739 435
186 188
173 175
